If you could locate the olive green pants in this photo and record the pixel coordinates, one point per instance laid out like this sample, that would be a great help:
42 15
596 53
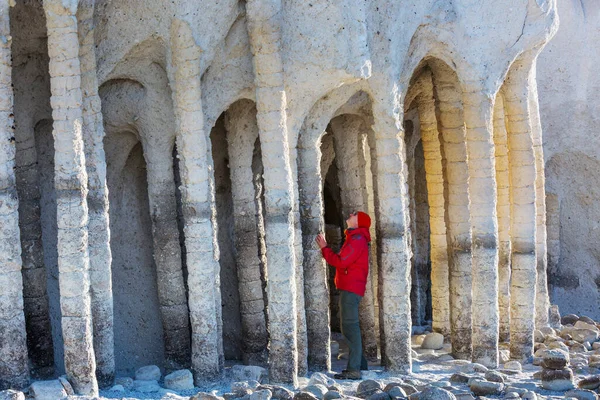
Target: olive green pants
351 330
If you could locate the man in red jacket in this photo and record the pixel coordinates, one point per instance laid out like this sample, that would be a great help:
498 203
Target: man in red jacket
351 271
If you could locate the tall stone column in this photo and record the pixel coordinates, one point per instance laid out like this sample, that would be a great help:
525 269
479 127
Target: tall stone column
389 162
523 227
542 299
310 180
264 20
478 109
503 210
242 132
192 145
98 225
14 368
434 169
349 156
70 183
458 229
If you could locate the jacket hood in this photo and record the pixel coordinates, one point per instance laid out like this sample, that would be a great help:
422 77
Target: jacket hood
359 231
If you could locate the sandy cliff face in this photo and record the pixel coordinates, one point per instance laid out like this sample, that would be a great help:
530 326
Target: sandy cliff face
569 84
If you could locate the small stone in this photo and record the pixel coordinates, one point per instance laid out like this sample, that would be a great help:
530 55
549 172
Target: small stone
581 394
367 388
205 396
126 382
513 365
11 395
529 395
241 393
494 376
464 396
433 341
558 346
179 380
144 386
587 319
249 372
278 392
578 347
432 393
569 319
557 379
317 389
555 359
148 373
332 394
66 385
590 383
320 378
512 395
517 390
538 336
47 390
484 388
117 388
504 356
585 335
304 396
335 388
264 394
417 340
584 325
473 367
459 377
408 388
240 386
397 393
379 395
391 385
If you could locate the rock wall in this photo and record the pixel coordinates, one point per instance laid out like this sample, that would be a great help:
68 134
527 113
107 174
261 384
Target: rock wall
569 87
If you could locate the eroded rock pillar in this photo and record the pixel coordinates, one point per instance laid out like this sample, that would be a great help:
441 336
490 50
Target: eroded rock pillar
523 212
349 156
389 162
242 132
542 299
98 225
192 146
310 180
478 111
14 369
458 229
434 169
264 20
503 211
70 183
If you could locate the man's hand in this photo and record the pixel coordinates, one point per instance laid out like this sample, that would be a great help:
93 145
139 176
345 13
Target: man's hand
321 241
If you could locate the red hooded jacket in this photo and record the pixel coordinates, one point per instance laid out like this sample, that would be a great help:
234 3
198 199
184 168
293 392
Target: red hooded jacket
352 263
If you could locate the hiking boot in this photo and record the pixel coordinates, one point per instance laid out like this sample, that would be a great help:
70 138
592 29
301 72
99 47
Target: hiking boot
349 375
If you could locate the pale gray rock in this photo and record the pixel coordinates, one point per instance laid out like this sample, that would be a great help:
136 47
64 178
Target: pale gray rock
555 359
205 396
47 390
557 379
397 392
278 392
529 395
432 393
483 388
379 395
305 396
513 365
148 373
317 389
66 385
117 388
590 383
264 394
320 378
494 376
126 382
367 387
582 394
503 356
11 395
179 380
433 341
332 395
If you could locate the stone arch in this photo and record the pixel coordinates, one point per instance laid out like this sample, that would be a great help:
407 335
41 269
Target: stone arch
239 190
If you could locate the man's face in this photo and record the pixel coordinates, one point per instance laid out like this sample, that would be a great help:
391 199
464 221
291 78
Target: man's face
352 221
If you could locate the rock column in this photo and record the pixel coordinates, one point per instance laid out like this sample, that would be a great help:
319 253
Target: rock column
542 299
503 210
192 146
310 180
389 159
242 132
14 369
432 151
478 109
264 29
98 225
350 160
458 230
70 183
523 212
